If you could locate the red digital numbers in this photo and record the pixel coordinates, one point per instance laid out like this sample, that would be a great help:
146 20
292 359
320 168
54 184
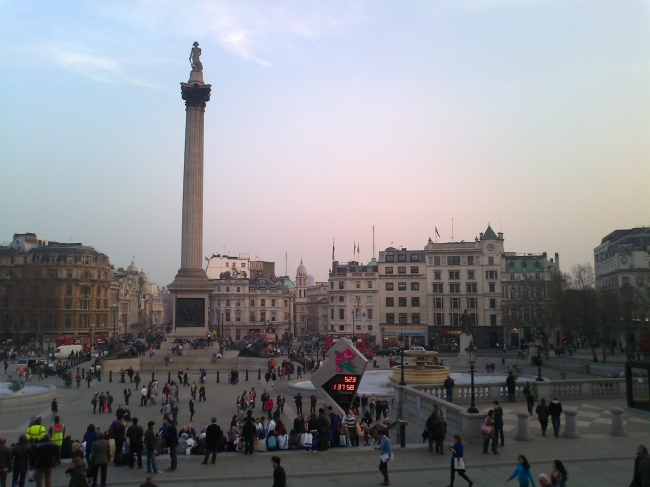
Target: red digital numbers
346 383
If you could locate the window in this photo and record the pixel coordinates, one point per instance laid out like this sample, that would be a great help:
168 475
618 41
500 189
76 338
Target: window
493 320
471 287
227 302
437 288
369 299
341 327
390 258
262 302
492 287
252 317
341 299
537 276
415 302
390 302
238 303
243 264
415 269
472 303
525 293
227 315
69 273
357 284
512 277
415 286
341 285
227 289
401 270
454 288
454 274
273 315
415 257
85 290
390 318
455 303
237 316
402 302
439 319
358 327
437 275
403 318
438 303
52 273
273 303
369 327
490 274
68 290
454 319
68 304
388 270
252 303
98 304
415 318
369 284
370 313
332 313
453 260
341 314
436 260
332 285
286 303
389 286
470 275
470 260
401 258
493 303
401 286
526 315
513 293
538 293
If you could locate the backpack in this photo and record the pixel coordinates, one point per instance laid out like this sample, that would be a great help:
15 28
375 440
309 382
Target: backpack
271 443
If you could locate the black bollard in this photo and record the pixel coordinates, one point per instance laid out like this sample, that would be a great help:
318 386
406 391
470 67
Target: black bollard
217 376
83 373
259 374
110 376
169 377
246 375
153 377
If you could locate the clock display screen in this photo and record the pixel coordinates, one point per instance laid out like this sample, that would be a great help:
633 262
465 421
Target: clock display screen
342 388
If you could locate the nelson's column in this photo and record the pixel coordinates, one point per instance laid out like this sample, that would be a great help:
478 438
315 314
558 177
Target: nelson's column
191 287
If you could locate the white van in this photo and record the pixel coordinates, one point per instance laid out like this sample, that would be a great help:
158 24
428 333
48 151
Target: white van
64 350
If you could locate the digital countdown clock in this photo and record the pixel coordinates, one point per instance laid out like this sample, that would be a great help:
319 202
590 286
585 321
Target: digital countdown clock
337 380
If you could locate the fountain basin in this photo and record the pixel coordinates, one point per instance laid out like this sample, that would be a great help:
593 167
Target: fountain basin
28 395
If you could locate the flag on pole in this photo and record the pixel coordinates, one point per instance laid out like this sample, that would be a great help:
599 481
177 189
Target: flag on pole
358 248
354 248
332 249
437 231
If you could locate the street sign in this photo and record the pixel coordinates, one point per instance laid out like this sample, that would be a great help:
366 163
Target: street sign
337 380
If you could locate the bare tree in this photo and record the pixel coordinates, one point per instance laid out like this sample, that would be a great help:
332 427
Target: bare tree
579 306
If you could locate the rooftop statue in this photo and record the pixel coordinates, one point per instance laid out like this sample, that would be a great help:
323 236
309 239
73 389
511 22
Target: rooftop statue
195 58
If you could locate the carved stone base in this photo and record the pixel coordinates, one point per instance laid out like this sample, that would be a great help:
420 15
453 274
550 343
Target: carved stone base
191 290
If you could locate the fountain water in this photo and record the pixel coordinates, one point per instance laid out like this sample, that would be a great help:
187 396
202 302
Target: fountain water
423 372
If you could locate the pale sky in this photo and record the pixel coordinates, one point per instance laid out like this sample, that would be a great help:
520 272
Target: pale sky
326 118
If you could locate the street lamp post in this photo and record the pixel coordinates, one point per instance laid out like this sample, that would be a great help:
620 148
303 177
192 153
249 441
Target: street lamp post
222 332
539 339
471 356
402 344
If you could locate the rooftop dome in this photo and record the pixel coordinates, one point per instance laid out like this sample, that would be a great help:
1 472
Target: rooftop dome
132 267
302 270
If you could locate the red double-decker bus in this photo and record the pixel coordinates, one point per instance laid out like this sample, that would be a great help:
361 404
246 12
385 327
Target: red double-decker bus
363 339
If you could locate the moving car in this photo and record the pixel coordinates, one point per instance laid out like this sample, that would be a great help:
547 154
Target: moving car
384 352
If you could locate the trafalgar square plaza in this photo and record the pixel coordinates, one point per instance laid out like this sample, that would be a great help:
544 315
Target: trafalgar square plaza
456 363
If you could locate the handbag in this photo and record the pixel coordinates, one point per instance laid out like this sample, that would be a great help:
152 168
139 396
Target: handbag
357 428
485 429
459 463
307 440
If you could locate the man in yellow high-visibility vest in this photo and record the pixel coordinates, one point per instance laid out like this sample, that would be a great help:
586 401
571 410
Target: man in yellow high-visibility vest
57 433
36 432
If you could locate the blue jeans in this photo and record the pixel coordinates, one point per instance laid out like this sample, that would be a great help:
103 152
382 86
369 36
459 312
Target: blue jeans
556 424
172 455
450 394
151 461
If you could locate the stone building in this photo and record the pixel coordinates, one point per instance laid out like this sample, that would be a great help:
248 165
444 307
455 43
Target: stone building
464 276
318 308
354 300
402 296
300 301
53 290
248 308
623 259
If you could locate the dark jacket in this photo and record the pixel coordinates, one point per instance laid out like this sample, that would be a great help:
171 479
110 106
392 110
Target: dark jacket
498 417
279 477
172 437
449 383
135 435
101 452
323 423
641 471
44 454
78 477
438 428
555 408
21 454
542 412
212 435
150 439
510 382
5 458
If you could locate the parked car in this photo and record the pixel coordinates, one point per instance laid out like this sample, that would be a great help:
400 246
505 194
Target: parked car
385 352
417 349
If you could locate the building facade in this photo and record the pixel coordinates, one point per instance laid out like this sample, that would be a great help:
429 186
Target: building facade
249 308
236 267
623 259
354 300
49 289
318 309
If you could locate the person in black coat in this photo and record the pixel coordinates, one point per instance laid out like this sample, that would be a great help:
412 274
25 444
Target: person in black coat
279 475
172 443
212 435
498 421
510 384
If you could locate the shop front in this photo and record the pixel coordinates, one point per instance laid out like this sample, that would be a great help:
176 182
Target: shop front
415 336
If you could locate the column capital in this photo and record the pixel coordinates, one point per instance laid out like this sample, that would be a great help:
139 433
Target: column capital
195 95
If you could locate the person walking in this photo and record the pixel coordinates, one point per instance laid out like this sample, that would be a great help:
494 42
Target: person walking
542 415
279 475
57 433
439 431
150 447
212 435
458 461
529 394
6 464
449 388
298 400
20 453
100 455
55 409
135 435
522 472
248 431
386 455
144 394
510 384
559 474
489 433
193 390
312 401
202 393
351 422
555 410
498 422
641 476
192 410
127 395
172 443
44 454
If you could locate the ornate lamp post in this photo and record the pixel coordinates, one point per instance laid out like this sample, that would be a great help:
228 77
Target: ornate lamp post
402 344
471 356
539 340
222 318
